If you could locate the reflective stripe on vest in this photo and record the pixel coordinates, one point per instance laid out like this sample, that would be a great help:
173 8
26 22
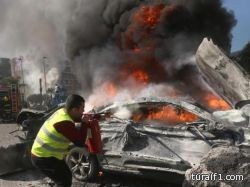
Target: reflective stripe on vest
52 136
49 142
48 147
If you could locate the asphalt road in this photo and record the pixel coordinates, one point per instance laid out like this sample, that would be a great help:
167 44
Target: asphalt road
33 178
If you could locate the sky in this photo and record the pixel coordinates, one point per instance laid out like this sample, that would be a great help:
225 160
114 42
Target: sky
241 32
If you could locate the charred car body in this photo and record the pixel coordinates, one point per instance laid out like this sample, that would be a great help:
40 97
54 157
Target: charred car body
153 137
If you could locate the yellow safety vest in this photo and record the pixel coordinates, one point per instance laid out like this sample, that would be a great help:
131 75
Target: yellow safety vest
49 142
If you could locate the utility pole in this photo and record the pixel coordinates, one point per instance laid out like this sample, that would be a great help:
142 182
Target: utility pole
44 73
40 86
20 59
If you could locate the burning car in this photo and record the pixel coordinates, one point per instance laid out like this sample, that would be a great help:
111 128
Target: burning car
153 137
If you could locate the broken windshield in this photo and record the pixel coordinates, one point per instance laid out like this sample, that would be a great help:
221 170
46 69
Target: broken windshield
167 114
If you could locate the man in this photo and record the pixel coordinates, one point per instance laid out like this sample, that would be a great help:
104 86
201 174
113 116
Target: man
53 139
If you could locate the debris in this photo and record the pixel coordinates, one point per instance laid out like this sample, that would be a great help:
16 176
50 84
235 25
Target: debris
232 83
14 155
227 78
235 117
219 163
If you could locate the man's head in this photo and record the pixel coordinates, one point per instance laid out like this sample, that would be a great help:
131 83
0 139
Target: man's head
75 106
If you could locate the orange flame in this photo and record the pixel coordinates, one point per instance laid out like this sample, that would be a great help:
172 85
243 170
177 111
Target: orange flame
137 71
148 16
144 21
141 64
110 88
140 42
167 114
140 76
216 103
136 49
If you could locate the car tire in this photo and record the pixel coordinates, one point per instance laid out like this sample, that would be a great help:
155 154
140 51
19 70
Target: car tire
84 166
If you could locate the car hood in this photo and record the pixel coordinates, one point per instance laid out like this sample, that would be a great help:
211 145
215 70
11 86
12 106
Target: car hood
227 78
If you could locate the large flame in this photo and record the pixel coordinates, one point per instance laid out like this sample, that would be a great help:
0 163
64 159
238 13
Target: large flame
141 76
144 22
216 103
141 63
140 39
168 115
148 16
109 88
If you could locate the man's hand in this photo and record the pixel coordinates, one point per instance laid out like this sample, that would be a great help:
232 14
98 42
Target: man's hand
87 118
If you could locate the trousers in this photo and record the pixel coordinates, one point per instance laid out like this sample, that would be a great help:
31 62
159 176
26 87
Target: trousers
57 170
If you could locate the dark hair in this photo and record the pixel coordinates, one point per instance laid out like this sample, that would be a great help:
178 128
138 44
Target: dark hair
73 101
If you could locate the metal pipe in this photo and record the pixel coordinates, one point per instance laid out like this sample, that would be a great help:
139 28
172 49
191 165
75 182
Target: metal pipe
44 72
21 61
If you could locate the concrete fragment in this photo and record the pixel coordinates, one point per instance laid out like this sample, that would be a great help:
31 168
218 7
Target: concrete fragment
14 152
14 158
224 161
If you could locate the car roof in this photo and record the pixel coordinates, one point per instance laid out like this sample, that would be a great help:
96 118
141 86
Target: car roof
187 105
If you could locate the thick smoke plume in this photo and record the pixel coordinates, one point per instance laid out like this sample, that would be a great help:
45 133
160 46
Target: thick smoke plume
118 49
122 49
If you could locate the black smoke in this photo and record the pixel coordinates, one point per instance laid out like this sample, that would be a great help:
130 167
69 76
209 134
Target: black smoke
97 44
93 23
96 22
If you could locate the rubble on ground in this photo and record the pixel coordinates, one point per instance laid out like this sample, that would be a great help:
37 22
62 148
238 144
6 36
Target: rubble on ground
14 153
224 160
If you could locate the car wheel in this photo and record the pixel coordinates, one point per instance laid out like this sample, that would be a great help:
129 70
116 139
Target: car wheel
84 166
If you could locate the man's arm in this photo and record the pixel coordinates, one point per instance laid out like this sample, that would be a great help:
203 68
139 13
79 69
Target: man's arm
68 129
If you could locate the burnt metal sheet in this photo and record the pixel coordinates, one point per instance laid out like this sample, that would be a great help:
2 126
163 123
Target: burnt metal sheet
128 144
226 77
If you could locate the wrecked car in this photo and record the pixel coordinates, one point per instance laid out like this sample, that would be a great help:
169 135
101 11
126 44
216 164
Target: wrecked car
154 137
30 120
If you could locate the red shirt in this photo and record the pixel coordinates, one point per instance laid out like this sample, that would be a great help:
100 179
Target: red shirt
69 130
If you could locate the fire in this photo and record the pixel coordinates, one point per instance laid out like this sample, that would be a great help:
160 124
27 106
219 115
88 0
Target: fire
148 16
110 88
141 62
137 49
216 103
136 71
140 76
167 114
139 42
143 24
